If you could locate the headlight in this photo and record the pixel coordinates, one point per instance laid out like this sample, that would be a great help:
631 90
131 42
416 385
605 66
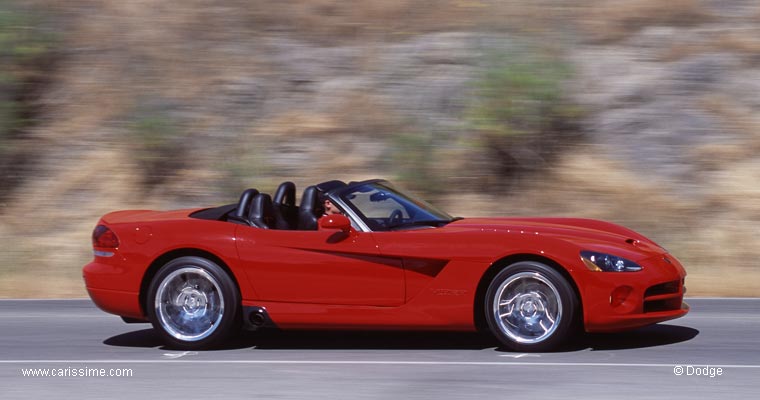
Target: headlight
608 263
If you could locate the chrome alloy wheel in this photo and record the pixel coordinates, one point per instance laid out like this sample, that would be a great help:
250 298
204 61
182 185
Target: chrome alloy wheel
527 307
189 304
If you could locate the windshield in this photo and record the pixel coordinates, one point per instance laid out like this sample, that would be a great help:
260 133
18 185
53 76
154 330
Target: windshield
384 207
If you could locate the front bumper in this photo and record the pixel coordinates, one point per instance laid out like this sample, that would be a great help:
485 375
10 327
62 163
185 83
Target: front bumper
619 301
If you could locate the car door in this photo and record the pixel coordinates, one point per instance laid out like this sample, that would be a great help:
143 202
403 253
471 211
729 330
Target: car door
424 254
319 267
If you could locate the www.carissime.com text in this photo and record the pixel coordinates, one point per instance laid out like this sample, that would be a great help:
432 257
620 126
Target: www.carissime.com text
81 372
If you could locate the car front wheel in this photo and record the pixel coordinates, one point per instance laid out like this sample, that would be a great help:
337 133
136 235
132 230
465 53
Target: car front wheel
530 307
193 303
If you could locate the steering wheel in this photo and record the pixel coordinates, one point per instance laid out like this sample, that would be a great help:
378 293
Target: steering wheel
396 217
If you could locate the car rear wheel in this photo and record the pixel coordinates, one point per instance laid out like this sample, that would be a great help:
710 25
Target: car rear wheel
530 307
193 303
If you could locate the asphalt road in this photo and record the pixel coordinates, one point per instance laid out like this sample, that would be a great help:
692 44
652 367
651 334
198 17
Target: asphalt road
716 348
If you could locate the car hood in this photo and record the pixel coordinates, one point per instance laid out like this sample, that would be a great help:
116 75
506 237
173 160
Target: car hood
587 234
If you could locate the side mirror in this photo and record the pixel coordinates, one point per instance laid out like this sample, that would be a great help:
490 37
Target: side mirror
336 221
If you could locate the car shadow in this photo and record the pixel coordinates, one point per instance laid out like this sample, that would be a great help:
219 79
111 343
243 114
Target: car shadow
144 338
651 336
375 340
272 339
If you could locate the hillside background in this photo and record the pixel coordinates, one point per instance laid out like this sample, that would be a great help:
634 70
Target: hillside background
640 112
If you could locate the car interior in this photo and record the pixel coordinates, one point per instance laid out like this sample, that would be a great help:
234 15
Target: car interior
262 211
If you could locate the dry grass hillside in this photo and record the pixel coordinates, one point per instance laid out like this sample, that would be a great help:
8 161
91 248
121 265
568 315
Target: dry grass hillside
651 119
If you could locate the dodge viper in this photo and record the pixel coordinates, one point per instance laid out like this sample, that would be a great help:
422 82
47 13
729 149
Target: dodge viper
385 260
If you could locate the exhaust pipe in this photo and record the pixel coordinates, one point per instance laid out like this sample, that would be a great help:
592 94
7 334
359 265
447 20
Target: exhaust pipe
256 318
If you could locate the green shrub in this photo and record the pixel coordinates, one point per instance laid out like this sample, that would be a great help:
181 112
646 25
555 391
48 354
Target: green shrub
414 163
20 43
521 114
22 37
26 60
158 145
520 95
245 166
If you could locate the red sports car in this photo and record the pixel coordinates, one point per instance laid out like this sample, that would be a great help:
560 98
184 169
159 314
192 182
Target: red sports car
386 260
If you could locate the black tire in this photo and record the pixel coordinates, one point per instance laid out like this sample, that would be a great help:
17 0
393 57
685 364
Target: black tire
530 307
193 304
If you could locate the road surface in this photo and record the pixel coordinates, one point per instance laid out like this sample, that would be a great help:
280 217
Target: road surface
713 352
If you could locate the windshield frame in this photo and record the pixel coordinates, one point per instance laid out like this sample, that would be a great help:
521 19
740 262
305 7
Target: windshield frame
421 214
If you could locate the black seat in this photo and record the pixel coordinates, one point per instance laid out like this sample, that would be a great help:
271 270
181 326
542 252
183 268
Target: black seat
285 210
240 215
262 212
310 210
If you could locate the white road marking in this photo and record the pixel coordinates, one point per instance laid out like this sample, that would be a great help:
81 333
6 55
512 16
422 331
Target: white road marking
88 299
174 356
723 316
519 355
686 299
18 315
368 362
51 299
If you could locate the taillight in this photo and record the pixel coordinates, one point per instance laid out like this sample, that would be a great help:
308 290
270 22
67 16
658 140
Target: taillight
103 237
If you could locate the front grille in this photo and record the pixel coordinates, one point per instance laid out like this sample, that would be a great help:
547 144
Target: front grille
663 288
663 297
662 305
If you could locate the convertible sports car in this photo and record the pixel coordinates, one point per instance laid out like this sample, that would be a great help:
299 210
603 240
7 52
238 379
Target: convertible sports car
386 261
